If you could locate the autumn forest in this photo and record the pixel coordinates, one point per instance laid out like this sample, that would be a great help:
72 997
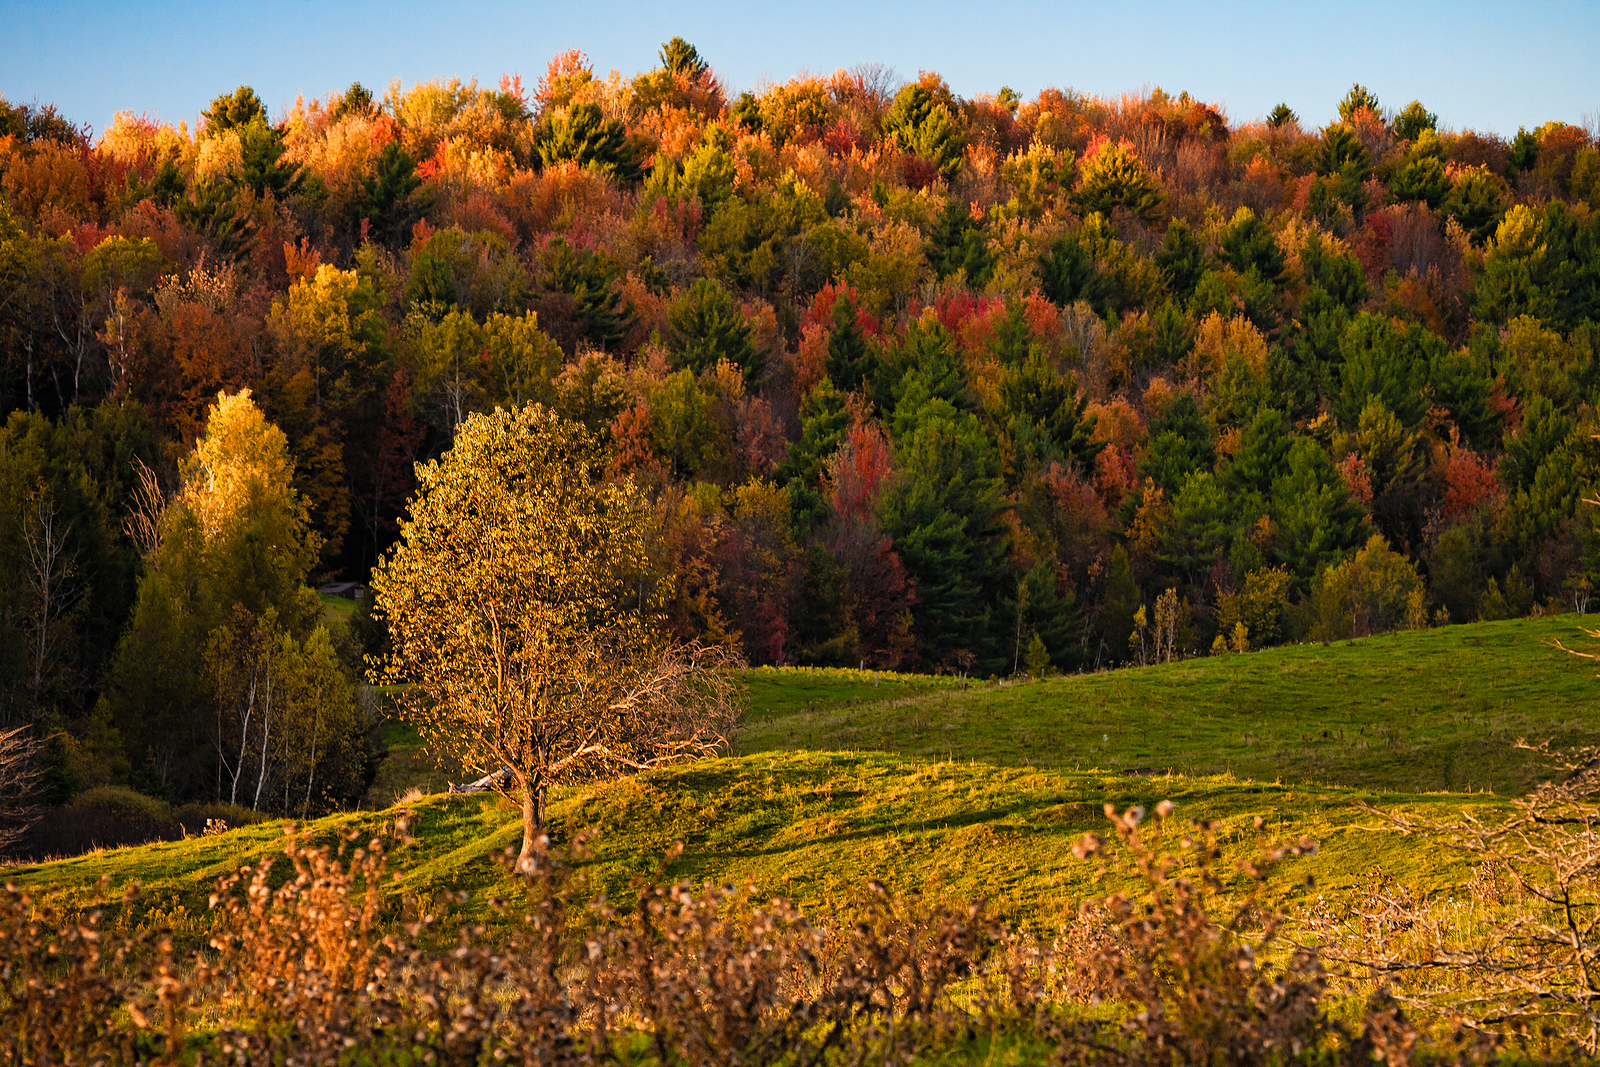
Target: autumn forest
982 386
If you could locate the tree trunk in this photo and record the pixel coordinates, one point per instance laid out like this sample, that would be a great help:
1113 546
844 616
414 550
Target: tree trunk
533 793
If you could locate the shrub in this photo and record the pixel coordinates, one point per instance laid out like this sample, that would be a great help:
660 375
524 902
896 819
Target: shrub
112 816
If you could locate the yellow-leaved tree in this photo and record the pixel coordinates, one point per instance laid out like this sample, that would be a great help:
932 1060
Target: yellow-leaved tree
226 682
522 623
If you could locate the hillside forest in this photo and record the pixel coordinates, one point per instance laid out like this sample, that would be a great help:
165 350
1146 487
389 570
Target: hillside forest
914 381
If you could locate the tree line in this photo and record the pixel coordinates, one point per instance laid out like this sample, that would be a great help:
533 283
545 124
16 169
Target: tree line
906 379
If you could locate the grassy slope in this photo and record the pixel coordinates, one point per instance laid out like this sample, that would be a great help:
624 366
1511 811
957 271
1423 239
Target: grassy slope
337 608
1421 711
981 792
812 826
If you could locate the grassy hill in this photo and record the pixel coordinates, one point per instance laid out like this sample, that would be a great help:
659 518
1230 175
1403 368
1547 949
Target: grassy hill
1419 711
980 792
811 826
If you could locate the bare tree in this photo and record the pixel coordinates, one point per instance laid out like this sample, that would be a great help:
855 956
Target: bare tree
878 82
147 511
19 774
53 581
1526 955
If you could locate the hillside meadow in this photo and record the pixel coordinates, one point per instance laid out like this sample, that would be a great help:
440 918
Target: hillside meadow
979 792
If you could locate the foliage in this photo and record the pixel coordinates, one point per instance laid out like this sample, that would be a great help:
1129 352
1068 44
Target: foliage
1113 176
583 135
1066 285
516 615
708 328
923 124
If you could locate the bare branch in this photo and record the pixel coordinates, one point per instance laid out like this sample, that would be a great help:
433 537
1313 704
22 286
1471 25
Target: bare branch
19 775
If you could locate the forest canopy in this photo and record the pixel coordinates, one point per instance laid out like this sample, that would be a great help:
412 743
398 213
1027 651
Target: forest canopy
901 378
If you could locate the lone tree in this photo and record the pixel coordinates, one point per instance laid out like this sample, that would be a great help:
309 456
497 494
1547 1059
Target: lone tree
520 615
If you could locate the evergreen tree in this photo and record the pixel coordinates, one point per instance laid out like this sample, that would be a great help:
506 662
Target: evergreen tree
1052 616
708 327
853 362
680 57
391 200
1182 259
1248 245
1118 607
1180 442
1317 522
1067 273
587 276
922 124
956 243
583 135
1258 461
944 514
824 421
1042 416
924 369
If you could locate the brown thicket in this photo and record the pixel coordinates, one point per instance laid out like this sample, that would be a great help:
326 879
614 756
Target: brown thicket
1519 959
1192 965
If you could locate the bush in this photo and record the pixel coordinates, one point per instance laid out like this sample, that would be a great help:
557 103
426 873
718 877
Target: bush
112 816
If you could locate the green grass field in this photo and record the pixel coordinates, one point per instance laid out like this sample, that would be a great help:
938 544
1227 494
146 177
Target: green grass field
979 793
1419 711
338 609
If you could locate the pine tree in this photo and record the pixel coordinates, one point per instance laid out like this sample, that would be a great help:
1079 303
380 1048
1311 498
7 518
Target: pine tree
944 514
1118 608
853 362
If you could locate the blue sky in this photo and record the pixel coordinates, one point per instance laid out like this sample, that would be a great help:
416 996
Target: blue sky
1487 66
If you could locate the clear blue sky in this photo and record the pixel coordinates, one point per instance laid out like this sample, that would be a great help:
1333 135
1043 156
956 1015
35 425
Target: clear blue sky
1483 65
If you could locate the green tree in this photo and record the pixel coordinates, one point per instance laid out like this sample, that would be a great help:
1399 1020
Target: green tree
853 362
1317 524
356 100
1390 362
1042 417
680 57
232 111
922 124
1182 259
1247 245
1180 441
65 485
1477 200
1052 614
1038 661
1413 119
1115 177
232 555
1359 98
583 135
392 200
706 173
1119 606
944 514
1524 150
1258 460
824 420
1343 154
708 327
956 243
518 620
1370 593
588 277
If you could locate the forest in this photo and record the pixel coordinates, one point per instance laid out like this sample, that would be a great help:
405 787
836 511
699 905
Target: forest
909 381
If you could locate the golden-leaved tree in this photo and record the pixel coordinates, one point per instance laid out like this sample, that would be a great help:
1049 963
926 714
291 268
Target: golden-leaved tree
226 681
523 625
